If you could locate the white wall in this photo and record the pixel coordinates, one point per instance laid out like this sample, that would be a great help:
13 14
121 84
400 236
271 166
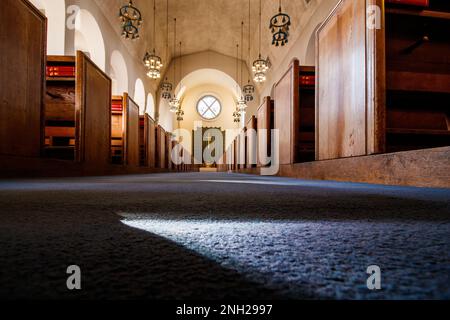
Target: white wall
125 69
55 11
299 48
221 70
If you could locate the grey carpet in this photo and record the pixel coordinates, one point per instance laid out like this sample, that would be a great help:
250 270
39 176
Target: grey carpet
215 236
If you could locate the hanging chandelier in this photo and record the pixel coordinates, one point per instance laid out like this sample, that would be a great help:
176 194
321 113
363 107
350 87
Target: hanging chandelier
166 90
249 89
174 104
248 92
280 25
242 103
153 64
236 116
166 86
260 65
152 61
131 19
180 115
241 106
260 68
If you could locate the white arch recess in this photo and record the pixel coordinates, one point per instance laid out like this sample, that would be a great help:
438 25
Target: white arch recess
207 76
197 78
89 38
55 11
150 105
139 95
119 73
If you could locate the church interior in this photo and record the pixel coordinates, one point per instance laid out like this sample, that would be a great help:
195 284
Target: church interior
225 149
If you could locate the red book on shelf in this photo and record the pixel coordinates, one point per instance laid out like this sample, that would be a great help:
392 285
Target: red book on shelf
117 107
307 80
420 3
61 68
141 122
61 74
60 71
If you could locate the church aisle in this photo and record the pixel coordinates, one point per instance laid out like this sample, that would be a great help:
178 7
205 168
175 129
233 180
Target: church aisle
191 236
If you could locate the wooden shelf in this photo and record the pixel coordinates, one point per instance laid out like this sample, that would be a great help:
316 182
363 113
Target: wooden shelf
414 81
418 132
61 59
420 13
62 79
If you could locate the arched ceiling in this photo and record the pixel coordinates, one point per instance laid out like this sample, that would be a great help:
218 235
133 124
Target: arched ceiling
207 77
210 25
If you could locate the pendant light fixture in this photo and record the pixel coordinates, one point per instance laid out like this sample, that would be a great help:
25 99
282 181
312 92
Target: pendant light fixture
166 86
236 113
242 105
180 112
279 26
249 89
174 103
153 61
131 19
260 66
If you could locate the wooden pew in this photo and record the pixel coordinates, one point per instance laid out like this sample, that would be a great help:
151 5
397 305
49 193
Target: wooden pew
161 148
294 114
252 142
125 131
77 111
265 120
382 89
147 141
168 150
241 149
234 147
22 78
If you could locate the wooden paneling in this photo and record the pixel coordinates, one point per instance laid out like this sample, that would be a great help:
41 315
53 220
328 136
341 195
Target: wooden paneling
294 114
241 147
160 147
117 132
92 113
151 143
131 153
60 111
349 96
265 121
235 155
148 141
168 150
419 168
286 98
22 78
252 127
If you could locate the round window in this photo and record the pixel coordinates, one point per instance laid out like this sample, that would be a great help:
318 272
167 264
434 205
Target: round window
209 107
